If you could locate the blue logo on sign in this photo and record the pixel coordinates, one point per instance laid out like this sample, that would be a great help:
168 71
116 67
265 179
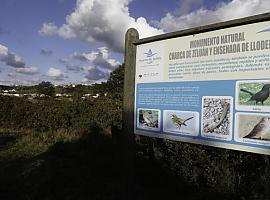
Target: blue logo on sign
265 30
150 54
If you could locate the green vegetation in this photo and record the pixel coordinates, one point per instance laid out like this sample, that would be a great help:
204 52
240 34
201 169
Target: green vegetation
254 88
61 148
46 88
72 148
58 165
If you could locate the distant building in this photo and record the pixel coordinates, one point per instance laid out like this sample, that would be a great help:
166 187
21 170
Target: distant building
63 95
96 96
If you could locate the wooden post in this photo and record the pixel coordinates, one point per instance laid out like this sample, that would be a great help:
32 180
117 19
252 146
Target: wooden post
132 36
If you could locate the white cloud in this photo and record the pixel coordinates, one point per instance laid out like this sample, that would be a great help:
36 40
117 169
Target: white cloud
79 56
3 51
55 74
98 58
48 29
12 75
223 12
63 61
185 6
102 21
20 81
27 70
10 58
74 68
94 74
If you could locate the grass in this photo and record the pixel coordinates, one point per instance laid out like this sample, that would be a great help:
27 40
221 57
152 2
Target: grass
29 144
57 166
91 165
252 87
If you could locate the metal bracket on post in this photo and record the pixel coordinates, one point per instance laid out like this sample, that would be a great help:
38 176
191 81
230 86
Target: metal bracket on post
132 36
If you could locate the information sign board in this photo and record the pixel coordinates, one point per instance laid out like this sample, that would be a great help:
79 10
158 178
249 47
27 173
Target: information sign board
209 88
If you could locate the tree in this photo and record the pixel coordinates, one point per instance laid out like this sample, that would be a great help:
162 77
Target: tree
46 88
116 78
115 83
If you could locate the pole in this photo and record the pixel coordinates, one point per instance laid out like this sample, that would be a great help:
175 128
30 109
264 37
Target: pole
132 36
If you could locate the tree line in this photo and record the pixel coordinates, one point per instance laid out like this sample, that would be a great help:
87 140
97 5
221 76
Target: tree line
50 114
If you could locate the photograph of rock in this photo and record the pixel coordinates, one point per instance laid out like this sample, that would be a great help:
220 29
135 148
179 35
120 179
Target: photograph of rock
216 117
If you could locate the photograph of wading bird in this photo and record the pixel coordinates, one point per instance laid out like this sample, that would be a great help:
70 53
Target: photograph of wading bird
260 96
260 129
178 121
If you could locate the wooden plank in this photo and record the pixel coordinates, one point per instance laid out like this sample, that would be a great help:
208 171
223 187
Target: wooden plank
132 36
206 28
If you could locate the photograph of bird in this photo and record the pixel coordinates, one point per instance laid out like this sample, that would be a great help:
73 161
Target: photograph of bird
260 129
150 119
260 96
178 121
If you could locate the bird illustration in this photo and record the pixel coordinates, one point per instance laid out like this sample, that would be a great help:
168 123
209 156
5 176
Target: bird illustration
260 96
264 31
149 53
178 121
150 119
260 129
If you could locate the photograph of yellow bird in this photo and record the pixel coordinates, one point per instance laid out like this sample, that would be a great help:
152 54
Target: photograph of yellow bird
178 121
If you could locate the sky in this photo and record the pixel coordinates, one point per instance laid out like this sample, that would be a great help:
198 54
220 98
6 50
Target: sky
82 41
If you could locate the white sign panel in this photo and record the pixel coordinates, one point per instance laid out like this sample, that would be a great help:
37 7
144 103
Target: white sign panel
210 88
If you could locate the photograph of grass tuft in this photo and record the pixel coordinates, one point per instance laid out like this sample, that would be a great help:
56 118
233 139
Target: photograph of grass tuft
254 93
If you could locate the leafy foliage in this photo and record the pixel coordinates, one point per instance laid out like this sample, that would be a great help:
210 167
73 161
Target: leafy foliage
232 174
46 88
51 114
